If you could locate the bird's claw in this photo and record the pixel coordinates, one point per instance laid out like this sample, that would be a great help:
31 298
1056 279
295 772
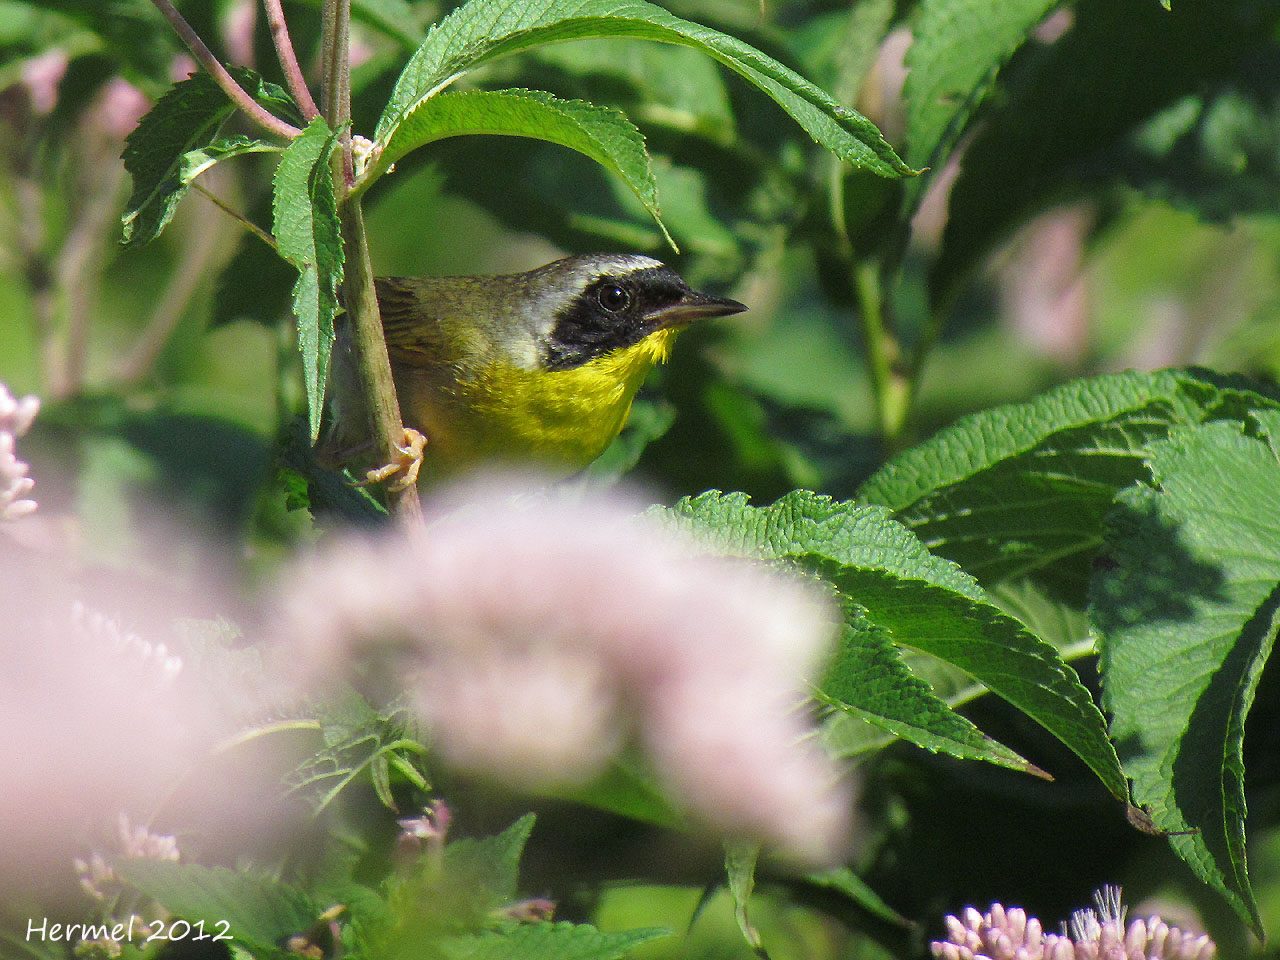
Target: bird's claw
409 461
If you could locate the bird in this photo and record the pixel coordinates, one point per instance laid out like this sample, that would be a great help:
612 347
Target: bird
537 368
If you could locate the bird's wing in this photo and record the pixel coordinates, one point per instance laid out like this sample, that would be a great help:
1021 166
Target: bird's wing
407 320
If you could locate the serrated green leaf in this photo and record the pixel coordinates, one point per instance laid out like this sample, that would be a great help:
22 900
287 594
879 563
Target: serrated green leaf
306 227
1020 490
601 133
868 680
485 29
548 941
451 897
259 911
492 863
1186 611
177 141
920 601
957 47
185 119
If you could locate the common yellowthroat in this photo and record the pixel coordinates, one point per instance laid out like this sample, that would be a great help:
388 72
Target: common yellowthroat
538 367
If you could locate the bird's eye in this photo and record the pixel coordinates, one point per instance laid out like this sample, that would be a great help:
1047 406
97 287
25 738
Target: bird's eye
613 297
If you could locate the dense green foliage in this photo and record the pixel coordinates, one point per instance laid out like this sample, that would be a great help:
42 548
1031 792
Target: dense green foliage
1069 573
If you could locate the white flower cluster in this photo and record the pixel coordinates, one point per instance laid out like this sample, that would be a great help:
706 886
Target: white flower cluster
99 881
155 663
15 420
1099 934
539 638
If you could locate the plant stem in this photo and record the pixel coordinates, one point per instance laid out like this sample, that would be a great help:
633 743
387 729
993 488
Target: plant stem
335 89
289 60
373 364
892 393
205 57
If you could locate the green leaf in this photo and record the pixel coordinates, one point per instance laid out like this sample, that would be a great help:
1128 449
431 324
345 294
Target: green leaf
482 30
1021 490
1186 610
185 119
869 681
845 881
309 236
177 141
740 867
196 162
957 47
673 87
491 863
451 898
258 911
548 941
921 601
601 133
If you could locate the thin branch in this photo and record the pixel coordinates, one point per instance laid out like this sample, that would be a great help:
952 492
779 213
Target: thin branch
289 60
891 393
237 216
239 96
372 362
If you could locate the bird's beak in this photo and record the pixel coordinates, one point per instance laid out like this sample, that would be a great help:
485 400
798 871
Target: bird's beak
694 306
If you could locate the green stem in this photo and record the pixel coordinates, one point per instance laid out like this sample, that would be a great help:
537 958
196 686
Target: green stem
891 392
373 364
372 361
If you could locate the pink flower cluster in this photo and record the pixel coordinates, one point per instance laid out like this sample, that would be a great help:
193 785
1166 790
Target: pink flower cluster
15 420
1100 934
537 637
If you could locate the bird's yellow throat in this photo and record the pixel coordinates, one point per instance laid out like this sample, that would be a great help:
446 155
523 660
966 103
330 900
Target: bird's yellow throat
559 420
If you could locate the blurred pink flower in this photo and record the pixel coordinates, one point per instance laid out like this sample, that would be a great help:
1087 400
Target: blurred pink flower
1095 934
238 24
42 75
1042 284
96 718
119 107
15 419
537 636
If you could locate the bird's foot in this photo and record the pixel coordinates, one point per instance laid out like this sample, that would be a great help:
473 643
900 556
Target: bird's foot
408 462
